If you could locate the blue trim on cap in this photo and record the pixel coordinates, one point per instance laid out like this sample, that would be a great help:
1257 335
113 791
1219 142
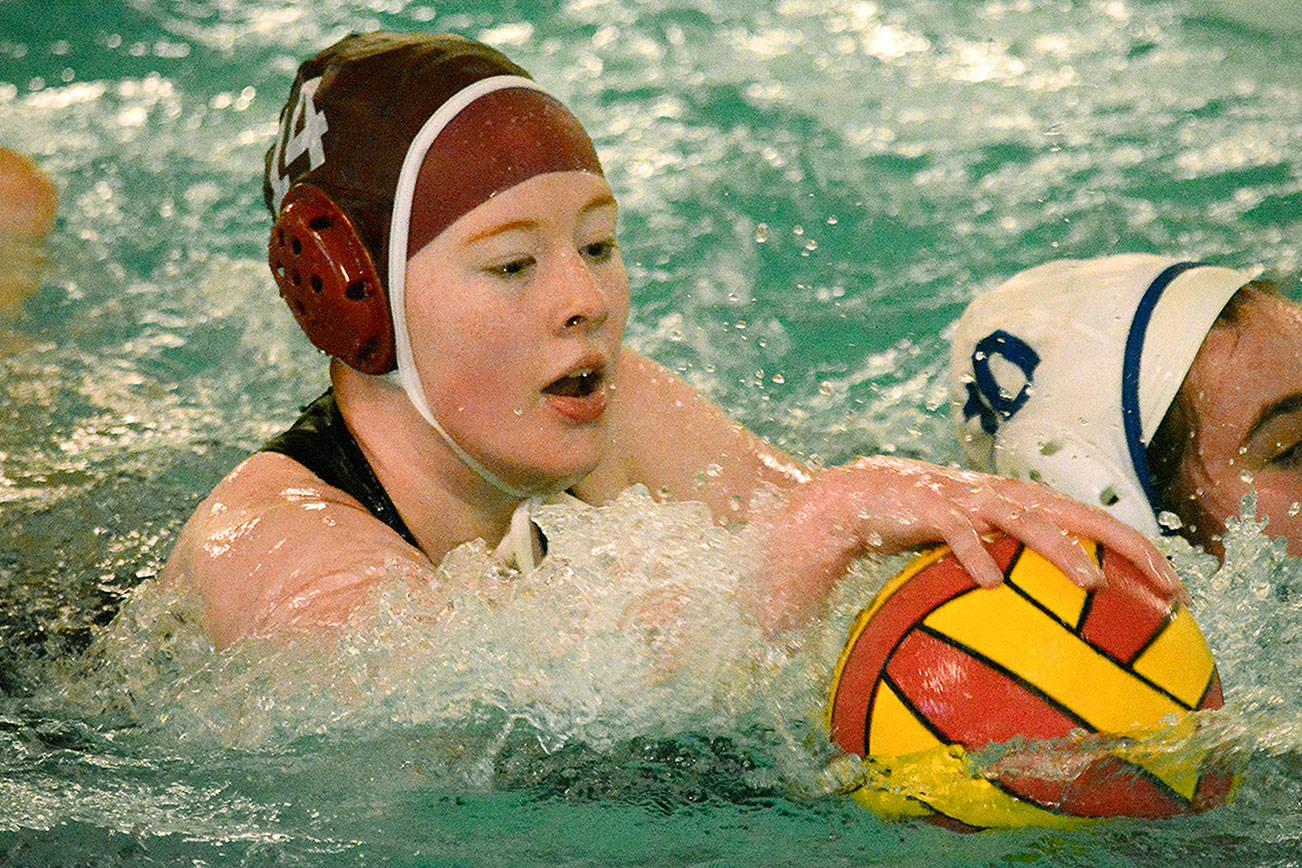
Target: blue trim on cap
1131 423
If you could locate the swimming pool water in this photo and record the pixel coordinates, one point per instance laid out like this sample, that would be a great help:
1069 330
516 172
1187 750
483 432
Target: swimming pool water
810 192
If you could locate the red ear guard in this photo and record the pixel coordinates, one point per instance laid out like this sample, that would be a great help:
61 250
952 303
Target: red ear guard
327 278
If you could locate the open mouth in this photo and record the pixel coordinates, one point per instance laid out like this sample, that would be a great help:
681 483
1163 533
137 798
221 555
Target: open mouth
580 384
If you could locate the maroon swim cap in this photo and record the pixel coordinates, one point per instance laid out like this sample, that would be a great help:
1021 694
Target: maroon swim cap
356 107
494 143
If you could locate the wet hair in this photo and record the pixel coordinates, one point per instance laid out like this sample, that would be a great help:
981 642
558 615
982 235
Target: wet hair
1178 431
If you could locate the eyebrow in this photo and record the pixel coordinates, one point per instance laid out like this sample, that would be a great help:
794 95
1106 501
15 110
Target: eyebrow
1287 404
597 203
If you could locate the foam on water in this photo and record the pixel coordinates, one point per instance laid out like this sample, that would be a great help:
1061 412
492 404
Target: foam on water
629 627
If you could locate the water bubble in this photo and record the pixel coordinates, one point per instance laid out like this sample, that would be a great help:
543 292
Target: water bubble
1169 520
762 233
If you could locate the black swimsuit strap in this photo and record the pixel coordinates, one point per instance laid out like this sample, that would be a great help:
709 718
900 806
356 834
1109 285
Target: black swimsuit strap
322 443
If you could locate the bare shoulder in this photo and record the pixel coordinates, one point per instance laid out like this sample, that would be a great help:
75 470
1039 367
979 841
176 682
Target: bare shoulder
273 544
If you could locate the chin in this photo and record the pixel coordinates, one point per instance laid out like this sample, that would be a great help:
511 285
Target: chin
572 473
565 468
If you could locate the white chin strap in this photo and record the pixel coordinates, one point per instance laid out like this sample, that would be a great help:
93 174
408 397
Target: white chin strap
406 376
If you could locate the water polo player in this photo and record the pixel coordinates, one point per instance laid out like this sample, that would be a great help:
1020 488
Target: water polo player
445 233
1143 384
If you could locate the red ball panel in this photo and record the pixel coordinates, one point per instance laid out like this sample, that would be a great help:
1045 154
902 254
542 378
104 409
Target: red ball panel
955 693
1126 614
1213 698
901 612
1213 789
1112 787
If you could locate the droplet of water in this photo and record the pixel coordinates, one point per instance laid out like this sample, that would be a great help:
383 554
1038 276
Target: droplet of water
1169 520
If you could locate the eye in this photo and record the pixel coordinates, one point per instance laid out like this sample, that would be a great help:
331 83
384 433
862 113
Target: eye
512 267
1289 457
600 250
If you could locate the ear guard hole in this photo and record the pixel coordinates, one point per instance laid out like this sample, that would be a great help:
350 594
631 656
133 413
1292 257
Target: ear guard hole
358 290
296 246
320 224
370 348
317 284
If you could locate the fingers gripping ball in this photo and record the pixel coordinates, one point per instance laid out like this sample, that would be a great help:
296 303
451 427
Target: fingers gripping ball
937 667
327 278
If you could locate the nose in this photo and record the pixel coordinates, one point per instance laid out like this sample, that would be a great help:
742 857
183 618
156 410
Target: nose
582 302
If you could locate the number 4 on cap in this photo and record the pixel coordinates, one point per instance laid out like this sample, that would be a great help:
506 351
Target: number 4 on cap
302 133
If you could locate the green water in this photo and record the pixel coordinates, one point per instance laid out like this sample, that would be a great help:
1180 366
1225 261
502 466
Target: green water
810 192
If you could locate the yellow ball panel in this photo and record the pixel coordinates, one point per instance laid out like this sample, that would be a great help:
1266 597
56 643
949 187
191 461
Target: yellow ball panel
894 730
1179 659
1037 577
1053 659
891 806
943 779
1172 758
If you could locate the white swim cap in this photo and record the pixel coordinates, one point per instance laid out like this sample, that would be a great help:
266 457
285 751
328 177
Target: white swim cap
1062 374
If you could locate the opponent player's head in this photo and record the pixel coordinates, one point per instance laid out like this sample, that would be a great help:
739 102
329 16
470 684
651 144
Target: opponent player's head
1236 423
1064 373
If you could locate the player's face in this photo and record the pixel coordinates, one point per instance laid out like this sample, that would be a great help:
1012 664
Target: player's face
1245 388
517 314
